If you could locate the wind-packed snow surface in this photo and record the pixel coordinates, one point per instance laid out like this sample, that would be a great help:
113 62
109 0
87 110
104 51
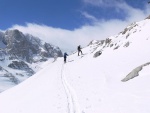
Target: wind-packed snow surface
87 84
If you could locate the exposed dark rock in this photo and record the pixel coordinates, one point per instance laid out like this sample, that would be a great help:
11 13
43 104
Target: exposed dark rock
148 17
98 53
52 50
127 44
125 30
20 74
134 72
111 45
127 36
8 75
11 78
107 41
129 28
20 65
116 47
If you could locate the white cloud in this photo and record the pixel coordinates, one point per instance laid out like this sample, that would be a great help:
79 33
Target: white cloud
104 3
88 16
68 40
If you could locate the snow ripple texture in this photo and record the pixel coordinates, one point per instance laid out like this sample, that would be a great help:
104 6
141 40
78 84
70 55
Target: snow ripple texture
73 106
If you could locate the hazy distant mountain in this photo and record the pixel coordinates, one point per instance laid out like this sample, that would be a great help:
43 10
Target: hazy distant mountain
18 52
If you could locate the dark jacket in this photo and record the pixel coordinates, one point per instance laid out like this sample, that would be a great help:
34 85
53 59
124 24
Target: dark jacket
79 48
65 55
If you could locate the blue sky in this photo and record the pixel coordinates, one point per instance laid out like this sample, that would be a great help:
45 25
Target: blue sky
67 14
56 13
69 23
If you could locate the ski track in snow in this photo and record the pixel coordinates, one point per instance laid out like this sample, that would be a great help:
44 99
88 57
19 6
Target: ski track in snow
73 106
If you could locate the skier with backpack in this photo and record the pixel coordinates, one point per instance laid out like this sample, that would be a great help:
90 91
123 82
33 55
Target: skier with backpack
65 57
79 50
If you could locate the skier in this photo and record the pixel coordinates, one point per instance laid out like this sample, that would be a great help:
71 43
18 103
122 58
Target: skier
65 57
79 50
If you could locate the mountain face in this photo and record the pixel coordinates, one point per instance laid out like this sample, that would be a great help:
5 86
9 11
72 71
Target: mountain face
18 52
25 47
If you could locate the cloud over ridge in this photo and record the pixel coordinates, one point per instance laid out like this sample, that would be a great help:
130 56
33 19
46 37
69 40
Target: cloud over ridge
100 29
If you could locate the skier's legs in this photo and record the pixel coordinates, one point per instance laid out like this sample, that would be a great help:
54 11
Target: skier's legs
81 52
64 59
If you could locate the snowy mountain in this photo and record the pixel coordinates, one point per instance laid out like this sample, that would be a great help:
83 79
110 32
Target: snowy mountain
21 56
114 81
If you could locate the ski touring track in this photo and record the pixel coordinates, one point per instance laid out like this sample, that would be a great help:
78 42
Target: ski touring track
73 106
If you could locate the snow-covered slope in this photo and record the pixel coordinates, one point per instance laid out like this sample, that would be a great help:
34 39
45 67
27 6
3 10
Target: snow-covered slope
90 83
